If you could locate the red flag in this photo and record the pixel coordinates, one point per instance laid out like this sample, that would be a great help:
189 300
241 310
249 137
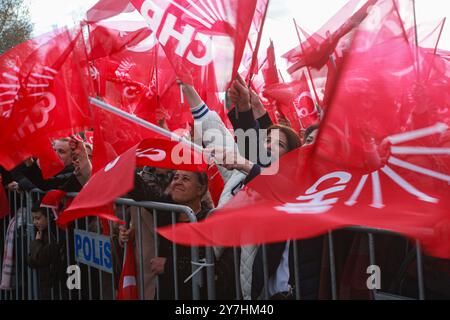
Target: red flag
270 70
53 200
255 35
215 183
110 38
164 153
371 166
196 33
128 281
295 101
124 67
45 82
103 184
89 135
113 135
105 9
316 50
137 76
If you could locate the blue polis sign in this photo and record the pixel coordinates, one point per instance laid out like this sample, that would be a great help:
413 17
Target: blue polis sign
93 250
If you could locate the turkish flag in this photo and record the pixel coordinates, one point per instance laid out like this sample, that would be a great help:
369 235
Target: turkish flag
215 183
102 189
114 135
105 9
164 153
196 33
373 165
295 101
127 289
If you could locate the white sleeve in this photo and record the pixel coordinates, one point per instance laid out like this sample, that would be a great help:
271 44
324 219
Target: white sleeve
210 131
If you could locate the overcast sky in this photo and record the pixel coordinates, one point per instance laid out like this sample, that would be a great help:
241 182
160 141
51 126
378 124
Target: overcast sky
310 14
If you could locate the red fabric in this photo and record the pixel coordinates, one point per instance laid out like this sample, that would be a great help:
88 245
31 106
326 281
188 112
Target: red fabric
198 28
53 200
104 185
356 174
270 70
108 39
131 78
49 162
106 231
255 35
105 9
164 153
114 135
333 69
295 101
89 135
46 94
215 183
128 280
316 50
252 56
124 67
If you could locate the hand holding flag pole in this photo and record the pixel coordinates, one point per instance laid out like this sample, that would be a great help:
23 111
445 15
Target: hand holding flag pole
164 132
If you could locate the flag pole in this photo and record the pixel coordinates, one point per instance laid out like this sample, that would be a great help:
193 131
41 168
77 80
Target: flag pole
258 43
168 134
281 75
416 37
157 75
435 48
307 67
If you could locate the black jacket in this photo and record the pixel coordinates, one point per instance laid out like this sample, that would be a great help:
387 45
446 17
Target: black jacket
47 258
309 257
245 121
64 180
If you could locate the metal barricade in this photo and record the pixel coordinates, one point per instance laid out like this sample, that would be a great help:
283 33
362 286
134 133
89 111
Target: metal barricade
98 283
101 283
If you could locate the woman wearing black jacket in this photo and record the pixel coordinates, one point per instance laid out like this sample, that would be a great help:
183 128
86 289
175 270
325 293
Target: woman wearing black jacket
252 116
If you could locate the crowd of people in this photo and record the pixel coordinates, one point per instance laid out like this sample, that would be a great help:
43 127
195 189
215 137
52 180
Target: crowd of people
47 252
